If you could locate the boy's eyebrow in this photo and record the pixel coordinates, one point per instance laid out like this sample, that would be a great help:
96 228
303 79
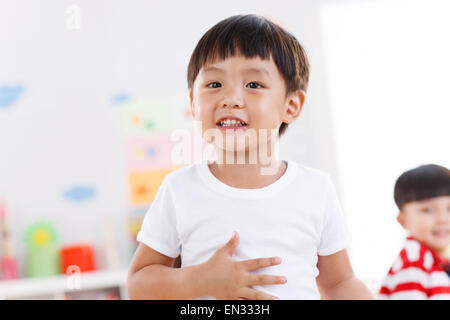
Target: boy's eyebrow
254 70
212 69
258 70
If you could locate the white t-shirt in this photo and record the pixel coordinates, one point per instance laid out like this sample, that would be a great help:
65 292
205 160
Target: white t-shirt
297 218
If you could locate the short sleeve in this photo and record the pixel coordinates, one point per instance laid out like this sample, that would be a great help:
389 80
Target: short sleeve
159 227
335 235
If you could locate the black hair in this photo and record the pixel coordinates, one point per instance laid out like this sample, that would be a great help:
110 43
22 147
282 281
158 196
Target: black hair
422 183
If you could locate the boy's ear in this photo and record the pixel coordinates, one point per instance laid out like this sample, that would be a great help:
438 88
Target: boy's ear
294 103
191 100
401 219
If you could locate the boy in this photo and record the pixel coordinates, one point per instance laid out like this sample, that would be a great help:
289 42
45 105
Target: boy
421 271
247 77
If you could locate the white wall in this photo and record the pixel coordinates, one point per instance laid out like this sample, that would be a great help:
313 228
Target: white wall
387 72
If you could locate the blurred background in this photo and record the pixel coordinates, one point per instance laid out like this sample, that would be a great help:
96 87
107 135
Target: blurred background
92 91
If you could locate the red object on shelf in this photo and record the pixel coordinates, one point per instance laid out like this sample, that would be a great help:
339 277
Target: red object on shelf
8 268
78 258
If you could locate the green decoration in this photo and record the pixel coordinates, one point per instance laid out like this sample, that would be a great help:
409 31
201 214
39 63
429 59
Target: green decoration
145 116
43 252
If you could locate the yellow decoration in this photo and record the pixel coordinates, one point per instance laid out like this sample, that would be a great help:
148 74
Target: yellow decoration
145 184
138 153
135 224
41 237
40 234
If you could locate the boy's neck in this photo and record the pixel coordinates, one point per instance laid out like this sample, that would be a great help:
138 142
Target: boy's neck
441 253
252 168
248 176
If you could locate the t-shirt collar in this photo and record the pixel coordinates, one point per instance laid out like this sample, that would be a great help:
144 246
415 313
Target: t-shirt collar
211 181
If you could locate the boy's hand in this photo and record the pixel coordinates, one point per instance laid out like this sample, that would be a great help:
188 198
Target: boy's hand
227 279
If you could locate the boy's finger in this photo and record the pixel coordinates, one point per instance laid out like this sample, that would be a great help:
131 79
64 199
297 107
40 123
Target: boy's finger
254 264
232 244
262 279
253 294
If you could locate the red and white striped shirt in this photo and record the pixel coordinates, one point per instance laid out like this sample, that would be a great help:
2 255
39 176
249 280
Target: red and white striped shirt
417 273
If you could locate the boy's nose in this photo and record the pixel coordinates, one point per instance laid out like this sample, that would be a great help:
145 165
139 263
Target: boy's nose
233 99
232 104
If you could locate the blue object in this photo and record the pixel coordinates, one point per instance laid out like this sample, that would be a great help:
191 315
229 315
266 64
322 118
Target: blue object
151 151
120 98
9 95
79 193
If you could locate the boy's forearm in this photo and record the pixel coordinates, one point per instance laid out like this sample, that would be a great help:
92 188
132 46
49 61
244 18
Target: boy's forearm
157 282
350 289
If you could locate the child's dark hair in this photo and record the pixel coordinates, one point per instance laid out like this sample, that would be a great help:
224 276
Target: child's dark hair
421 183
252 36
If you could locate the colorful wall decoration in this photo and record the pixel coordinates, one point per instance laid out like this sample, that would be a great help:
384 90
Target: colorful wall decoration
147 127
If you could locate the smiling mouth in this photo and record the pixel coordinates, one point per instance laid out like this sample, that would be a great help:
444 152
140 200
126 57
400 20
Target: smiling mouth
235 125
441 234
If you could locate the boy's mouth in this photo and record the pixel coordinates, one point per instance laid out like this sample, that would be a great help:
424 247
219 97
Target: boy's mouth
441 233
231 123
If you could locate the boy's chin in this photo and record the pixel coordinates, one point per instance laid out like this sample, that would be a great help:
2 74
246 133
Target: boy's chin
439 245
242 148
243 152
238 155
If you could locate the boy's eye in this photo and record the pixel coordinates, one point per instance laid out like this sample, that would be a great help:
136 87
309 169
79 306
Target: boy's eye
209 85
426 210
217 85
260 86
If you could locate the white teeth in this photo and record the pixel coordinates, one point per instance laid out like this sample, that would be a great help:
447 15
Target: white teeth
235 123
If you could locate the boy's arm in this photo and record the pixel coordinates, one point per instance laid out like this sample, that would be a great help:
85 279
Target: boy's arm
336 280
152 276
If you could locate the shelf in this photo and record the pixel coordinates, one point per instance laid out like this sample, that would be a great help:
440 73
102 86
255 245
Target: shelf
56 287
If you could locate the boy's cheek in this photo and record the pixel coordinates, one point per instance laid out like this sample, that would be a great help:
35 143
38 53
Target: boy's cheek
418 226
424 228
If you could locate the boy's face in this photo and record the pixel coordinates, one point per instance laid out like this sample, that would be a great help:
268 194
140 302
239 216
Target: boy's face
252 90
428 221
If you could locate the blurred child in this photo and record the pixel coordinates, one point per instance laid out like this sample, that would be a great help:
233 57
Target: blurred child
244 232
422 270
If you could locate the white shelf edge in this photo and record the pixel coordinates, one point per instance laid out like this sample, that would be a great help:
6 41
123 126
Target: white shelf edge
29 287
